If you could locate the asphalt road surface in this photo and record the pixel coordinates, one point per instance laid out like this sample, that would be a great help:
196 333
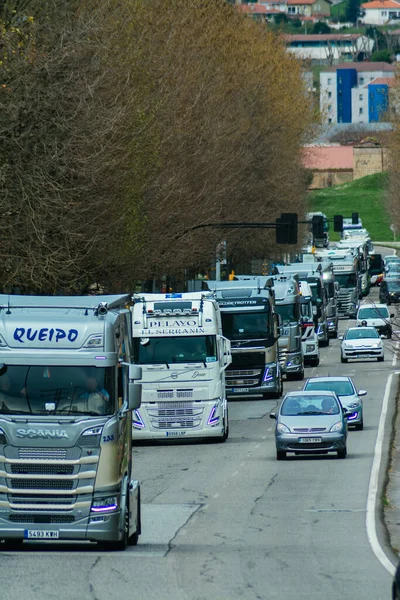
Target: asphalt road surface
227 521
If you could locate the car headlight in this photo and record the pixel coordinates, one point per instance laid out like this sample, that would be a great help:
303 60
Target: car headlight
354 405
336 427
281 428
310 347
378 345
347 345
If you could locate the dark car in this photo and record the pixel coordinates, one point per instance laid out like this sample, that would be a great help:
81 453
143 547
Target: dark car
389 291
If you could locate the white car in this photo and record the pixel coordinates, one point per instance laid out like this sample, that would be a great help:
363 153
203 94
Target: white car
361 342
375 315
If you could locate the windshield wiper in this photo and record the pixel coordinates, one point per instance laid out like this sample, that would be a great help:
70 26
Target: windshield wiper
311 412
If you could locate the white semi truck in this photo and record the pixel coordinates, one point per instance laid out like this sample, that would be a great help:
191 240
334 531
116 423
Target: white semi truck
67 391
178 343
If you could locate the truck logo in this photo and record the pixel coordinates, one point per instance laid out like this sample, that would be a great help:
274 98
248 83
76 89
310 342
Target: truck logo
174 375
45 334
42 433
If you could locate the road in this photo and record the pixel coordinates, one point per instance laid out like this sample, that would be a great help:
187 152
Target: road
227 521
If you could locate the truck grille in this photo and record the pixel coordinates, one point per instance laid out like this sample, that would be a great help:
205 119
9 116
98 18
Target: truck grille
345 304
42 500
243 377
41 484
21 518
174 415
45 480
171 394
35 469
42 453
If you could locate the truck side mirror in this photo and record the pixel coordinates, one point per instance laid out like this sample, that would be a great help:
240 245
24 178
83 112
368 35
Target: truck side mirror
134 389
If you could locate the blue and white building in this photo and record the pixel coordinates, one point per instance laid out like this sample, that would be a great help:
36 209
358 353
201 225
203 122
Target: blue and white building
355 92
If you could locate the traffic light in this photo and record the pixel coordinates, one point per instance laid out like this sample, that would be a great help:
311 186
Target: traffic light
354 218
338 223
286 228
318 226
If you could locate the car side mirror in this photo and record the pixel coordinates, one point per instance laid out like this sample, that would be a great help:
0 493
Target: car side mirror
340 337
382 337
272 416
362 393
391 315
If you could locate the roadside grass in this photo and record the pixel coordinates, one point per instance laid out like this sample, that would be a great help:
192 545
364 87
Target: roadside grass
365 196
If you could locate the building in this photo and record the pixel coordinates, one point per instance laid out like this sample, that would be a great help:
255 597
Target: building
346 96
380 12
309 8
329 48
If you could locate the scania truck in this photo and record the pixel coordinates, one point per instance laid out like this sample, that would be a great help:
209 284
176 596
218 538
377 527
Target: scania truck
287 299
250 321
312 273
67 391
178 343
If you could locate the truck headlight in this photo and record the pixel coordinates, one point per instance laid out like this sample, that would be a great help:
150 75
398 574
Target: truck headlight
105 504
137 420
213 419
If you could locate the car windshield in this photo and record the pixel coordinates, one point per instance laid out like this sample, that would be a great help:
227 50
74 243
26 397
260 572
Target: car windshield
374 312
346 281
361 333
176 349
309 406
53 390
246 325
341 388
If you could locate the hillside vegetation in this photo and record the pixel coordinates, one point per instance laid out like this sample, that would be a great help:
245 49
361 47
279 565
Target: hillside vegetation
367 196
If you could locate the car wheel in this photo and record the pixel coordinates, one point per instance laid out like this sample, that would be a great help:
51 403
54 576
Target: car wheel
342 359
280 455
380 358
359 426
335 334
342 453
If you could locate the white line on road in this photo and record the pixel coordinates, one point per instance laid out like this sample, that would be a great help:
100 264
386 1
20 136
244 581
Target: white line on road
373 485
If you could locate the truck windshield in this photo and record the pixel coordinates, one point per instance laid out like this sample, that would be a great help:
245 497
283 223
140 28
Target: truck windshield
288 312
316 291
41 390
346 281
177 349
246 325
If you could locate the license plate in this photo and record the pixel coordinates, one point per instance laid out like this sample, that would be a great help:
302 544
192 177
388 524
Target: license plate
240 390
174 433
310 440
40 534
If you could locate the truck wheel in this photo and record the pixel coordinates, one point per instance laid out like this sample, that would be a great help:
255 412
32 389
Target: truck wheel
133 540
121 544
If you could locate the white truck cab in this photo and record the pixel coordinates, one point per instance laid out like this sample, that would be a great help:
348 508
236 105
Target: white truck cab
178 342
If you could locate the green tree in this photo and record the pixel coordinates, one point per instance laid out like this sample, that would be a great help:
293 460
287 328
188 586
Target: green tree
353 10
381 56
321 27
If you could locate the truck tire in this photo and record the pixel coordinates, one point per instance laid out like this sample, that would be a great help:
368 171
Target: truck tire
121 544
134 538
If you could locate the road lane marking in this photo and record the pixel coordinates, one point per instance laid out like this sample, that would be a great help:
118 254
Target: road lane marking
373 488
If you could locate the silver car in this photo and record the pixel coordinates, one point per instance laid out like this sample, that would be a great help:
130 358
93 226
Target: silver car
361 342
347 393
310 423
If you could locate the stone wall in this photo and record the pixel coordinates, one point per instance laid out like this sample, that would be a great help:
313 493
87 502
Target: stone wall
324 179
369 160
